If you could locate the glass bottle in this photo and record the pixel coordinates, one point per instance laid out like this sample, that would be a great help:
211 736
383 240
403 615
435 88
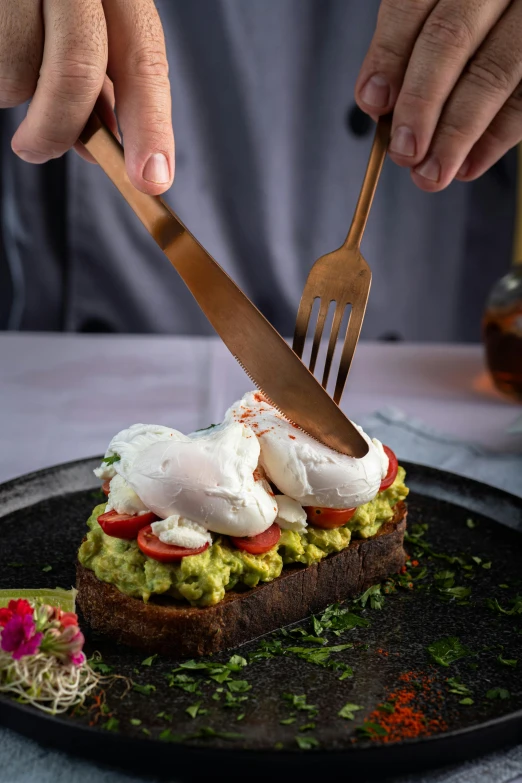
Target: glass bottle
502 325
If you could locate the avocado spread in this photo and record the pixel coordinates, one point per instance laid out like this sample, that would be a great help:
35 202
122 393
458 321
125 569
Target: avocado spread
203 579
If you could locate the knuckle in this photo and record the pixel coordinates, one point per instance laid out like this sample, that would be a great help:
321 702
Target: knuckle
14 91
455 131
76 78
490 73
449 31
387 48
150 61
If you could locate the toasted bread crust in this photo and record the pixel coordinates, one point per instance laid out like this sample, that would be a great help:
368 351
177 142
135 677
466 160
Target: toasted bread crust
175 628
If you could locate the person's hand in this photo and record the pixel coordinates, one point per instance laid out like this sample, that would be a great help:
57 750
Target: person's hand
68 55
451 72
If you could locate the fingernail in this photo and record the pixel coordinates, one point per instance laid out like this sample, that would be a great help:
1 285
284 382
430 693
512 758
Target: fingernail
464 169
156 169
376 92
403 142
32 157
429 168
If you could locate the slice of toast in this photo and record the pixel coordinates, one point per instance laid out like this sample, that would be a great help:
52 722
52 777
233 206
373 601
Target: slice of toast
174 628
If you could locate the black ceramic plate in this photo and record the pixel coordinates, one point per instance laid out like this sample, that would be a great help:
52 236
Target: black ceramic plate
42 521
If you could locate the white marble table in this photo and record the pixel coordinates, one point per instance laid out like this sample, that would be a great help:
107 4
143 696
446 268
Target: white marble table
62 397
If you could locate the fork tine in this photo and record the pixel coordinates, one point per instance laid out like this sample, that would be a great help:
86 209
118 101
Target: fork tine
350 343
321 318
336 325
301 324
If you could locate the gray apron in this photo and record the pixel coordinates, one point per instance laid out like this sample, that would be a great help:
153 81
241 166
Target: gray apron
270 155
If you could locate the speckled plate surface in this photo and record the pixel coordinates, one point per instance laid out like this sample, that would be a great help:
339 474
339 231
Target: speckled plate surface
42 520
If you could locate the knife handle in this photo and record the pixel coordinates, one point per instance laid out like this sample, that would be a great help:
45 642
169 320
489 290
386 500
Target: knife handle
159 220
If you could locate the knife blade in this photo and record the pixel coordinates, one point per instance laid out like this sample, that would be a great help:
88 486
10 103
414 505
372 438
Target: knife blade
267 359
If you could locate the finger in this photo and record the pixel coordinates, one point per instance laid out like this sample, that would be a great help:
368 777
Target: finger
487 83
139 69
105 108
71 77
398 25
450 36
504 133
21 46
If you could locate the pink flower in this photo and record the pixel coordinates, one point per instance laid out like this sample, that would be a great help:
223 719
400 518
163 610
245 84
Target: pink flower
68 618
66 644
18 635
19 607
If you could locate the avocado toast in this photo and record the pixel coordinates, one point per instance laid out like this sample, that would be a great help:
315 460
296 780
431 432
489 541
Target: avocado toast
209 540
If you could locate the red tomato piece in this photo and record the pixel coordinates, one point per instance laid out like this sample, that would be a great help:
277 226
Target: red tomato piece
151 546
393 467
257 545
328 518
124 525
106 487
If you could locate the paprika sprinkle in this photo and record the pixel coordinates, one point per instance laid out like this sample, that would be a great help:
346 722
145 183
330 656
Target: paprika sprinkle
408 719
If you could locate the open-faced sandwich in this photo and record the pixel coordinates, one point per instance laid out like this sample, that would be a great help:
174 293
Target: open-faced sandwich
211 539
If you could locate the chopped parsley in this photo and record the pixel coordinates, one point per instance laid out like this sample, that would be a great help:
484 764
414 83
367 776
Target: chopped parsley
135 722
307 743
47 568
111 460
448 650
348 711
168 736
455 686
98 665
371 730
184 682
165 716
374 595
307 727
240 717
471 524
507 661
298 702
466 701
516 605
287 721
498 693
113 724
146 690
195 709
445 586
150 660
207 731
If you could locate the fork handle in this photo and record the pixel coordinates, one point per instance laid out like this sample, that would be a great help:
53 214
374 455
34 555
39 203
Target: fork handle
380 144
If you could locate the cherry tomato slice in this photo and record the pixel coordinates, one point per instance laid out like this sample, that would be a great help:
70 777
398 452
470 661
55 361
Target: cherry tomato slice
151 546
328 518
393 467
257 545
124 525
106 487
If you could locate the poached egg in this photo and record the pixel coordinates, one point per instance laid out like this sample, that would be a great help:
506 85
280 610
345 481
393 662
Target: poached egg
215 480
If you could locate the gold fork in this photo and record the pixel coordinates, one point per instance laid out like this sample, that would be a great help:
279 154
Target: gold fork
343 277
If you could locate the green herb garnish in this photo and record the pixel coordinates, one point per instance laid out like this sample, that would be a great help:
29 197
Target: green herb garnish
448 650
458 687
347 712
135 721
498 693
507 661
150 660
471 524
369 729
113 724
374 595
146 690
111 460
306 743
466 701
47 568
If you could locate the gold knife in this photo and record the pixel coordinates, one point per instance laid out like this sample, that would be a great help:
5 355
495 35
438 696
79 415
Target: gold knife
266 358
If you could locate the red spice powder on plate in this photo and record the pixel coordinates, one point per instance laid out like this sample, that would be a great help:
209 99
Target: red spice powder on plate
408 719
